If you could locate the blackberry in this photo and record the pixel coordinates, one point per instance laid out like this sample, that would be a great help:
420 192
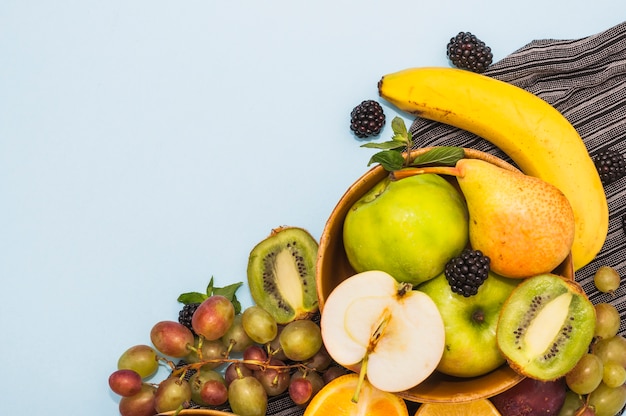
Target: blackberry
611 165
186 313
367 119
467 272
466 51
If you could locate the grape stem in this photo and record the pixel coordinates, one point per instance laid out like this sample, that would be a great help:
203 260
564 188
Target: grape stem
180 371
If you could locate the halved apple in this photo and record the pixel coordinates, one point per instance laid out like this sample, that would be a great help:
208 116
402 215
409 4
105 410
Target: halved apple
394 335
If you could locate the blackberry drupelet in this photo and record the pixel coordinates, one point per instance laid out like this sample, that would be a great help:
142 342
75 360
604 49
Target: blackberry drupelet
467 272
466 51
367 119
611 165
186 313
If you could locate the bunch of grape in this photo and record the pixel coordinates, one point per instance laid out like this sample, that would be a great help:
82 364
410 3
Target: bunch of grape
237 363
598 381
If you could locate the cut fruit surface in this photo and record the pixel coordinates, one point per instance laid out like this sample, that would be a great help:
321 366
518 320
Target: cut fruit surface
281 274
391 332
481 407
545 326
335 399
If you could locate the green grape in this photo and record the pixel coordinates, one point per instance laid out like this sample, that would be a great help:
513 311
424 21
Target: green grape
235 337
259 324
140 358
573 402
247 397
607 320
171 393
606 279
586 374
614 374
611 349
607 401
301 339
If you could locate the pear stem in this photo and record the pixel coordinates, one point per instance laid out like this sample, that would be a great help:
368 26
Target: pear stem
440 170
362 371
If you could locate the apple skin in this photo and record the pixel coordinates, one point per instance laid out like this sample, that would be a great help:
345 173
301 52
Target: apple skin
408 228
470 324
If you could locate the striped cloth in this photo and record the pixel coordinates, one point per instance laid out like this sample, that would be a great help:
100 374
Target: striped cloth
585 79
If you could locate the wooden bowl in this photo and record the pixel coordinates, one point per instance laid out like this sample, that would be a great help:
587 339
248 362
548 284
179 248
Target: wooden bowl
204 412
333 267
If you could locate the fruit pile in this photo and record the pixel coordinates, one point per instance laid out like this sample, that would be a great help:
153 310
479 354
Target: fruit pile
222 357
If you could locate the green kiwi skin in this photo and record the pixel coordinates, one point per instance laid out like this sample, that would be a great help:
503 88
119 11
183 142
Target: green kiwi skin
265 294
574 337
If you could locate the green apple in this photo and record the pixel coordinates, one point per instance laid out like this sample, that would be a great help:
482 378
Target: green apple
470 324
409 228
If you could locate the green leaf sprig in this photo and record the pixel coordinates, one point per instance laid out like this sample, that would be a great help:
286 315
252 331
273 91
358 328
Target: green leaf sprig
392 154
228 292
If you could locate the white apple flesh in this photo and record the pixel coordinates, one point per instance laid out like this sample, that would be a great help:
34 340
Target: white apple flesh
398 331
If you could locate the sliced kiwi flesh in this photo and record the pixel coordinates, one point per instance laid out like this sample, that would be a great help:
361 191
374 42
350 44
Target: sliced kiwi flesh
281 274
545 326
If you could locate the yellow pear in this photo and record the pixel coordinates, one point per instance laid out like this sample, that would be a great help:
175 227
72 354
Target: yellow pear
522 223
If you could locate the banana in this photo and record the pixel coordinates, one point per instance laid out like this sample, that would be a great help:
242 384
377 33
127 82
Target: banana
536 136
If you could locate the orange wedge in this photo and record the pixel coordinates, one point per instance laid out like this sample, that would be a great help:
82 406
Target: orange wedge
335 398
480 407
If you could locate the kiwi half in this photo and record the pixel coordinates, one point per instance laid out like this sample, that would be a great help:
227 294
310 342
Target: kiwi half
545 326
281 274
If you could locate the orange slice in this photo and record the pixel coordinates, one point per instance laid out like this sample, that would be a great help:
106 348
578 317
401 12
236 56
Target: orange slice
480 407
335 398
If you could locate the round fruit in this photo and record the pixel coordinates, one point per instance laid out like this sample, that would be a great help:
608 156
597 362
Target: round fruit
247 397
140 404
394 334
125 382
607 320
470 324
140 358
172 338
546 326
611 349
606 279
259 324
614 374
274 380
607 401
586 374
199 379
213 317
335 398
281 274
409 228
171 393
236 339
301 340
531 397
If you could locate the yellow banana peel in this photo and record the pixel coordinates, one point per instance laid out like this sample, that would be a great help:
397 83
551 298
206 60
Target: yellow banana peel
536 136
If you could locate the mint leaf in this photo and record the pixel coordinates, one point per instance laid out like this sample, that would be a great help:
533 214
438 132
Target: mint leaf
226 291
209 288
192 297
385 145
389 159
447 156
398 126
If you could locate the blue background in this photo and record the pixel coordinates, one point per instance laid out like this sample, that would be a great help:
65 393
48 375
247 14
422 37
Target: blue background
146 146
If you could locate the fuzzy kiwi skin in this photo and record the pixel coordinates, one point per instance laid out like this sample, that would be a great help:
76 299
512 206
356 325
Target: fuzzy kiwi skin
264 288
572 340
